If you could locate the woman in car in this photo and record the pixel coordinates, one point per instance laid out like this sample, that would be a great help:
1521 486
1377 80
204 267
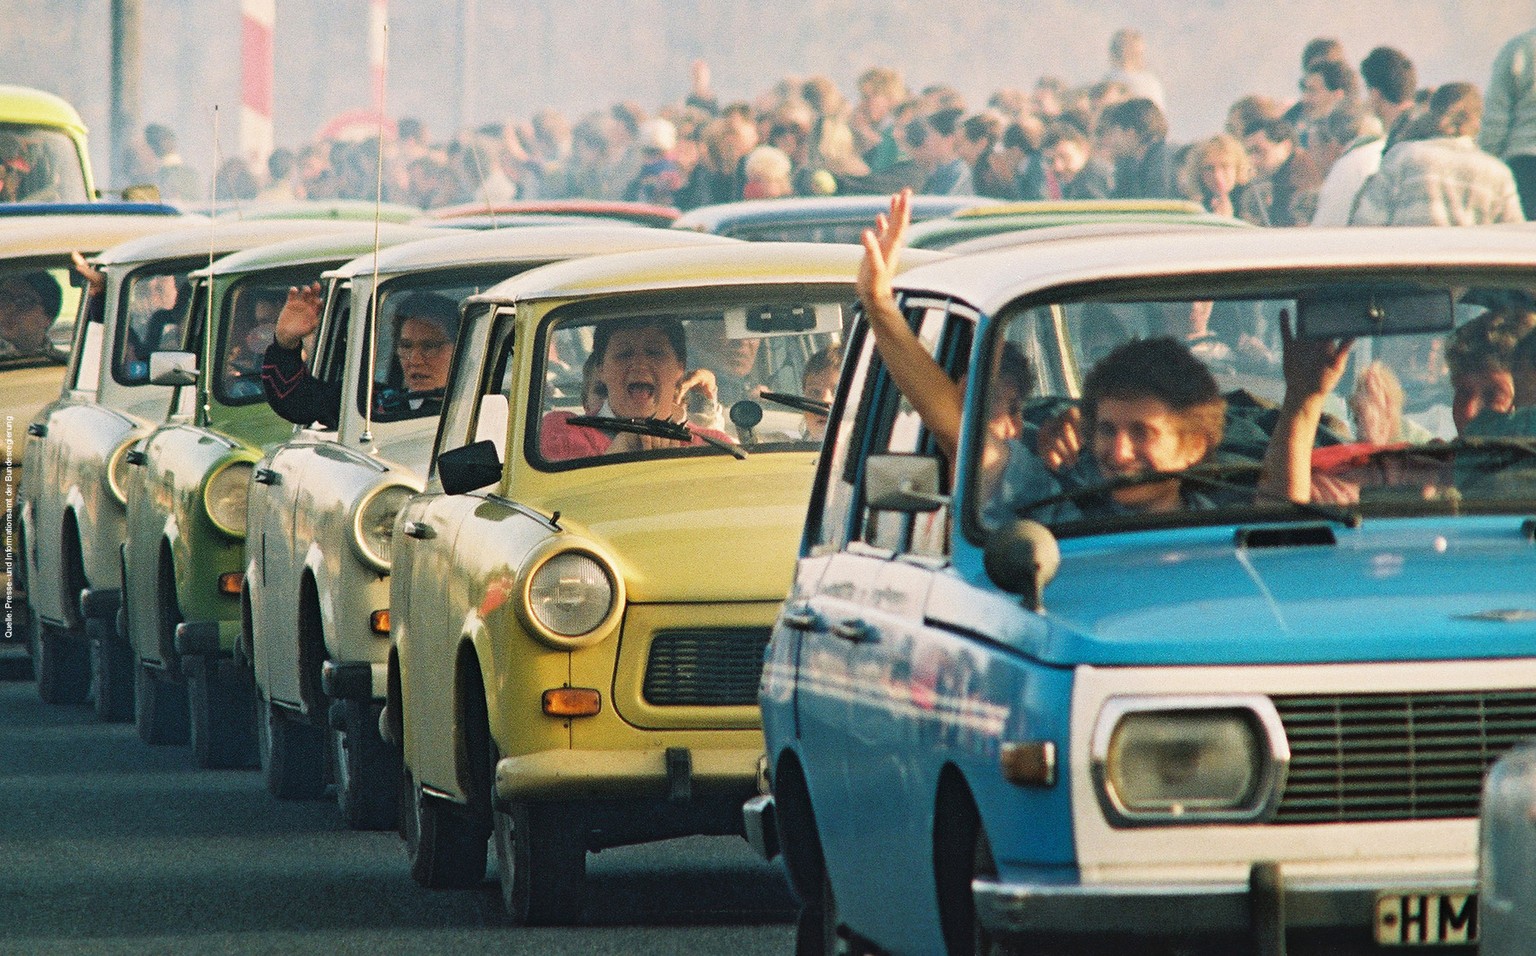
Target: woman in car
642 364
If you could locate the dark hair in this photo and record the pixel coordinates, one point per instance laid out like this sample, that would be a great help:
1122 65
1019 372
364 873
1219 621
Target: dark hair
1336 76
1487 343
48 291
603 333
280 164
982 126
1141 116
1013 367
1344 124
1017 137
1321 49
433 308
1456 109
1274 130
1062 133
1164 369
1390 73
945 122
409 127
915 133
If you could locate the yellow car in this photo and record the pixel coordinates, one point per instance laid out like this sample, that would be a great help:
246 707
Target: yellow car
43 155
581 598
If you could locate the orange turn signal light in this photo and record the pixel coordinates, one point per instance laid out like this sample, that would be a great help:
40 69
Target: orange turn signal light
379 621
572 702
232 582
1031 763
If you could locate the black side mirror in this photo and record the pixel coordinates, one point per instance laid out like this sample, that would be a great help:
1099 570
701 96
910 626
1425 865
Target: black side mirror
475 465
1021 558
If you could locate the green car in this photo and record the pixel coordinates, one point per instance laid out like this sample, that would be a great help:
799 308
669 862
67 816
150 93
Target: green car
994 219
186 490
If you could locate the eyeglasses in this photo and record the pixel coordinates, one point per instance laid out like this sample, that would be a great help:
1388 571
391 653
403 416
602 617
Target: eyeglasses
426 347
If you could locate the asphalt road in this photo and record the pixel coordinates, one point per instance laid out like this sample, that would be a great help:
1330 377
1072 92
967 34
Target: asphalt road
108 845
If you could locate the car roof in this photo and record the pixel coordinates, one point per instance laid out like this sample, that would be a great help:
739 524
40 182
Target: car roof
1007 217
89 234
756 263
23 104
350 209
647 213
714 218
217 238
990 280
528 243
1082 230
343 244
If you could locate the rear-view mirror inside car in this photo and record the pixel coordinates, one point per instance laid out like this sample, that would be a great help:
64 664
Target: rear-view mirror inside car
1354 312
782 318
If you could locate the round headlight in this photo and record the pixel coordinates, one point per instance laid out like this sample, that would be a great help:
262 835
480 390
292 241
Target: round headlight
224 497
571 594
117 470
1181 762
373 525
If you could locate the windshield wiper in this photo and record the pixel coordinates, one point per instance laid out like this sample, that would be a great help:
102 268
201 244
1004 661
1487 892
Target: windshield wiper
798 402
1211 476
656 428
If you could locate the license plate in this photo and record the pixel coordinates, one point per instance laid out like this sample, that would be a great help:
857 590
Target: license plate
1426 919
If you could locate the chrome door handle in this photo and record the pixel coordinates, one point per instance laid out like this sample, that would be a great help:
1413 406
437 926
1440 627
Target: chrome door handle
266 476
37 429
422 532
854 630
135 457
801 619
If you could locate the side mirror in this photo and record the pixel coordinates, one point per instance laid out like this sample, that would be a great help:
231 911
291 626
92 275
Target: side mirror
905 483
475 465
1021 558
172 368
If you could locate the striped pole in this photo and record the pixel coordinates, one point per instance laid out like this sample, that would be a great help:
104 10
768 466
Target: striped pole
378 38
256 19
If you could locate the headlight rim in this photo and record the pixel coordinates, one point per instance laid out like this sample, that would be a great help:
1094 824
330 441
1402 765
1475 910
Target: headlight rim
118 491
540 557
250 466
1274 754
368 556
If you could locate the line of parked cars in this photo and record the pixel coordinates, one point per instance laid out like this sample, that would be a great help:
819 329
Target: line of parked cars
569 536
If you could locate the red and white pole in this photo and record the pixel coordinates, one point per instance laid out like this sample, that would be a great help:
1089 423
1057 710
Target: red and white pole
256 20
378 38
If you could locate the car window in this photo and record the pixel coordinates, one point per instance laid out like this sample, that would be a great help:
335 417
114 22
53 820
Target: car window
153 310
37 304
629 363
39 164
1388 434
470 379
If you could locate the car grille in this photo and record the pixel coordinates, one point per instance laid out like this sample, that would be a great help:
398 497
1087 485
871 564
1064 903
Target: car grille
711 668
1358 757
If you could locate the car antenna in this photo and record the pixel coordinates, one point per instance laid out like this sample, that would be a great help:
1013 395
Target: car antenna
372 337
474 157
204 403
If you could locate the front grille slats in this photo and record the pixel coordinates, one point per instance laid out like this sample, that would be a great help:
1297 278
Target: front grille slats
711 668
1416 756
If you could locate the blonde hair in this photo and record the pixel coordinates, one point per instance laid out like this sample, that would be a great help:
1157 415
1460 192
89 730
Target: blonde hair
1220 146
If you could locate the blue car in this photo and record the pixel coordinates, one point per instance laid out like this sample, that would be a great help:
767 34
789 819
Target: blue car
1203 631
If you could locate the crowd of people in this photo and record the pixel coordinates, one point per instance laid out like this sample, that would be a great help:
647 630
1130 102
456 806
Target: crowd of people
1449 155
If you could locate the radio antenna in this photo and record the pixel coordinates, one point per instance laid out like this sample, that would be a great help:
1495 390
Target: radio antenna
372 337
204 402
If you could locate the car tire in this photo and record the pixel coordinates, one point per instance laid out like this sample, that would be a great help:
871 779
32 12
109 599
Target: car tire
221 699
962 854
446 846
542 863
292 753
60 662
111 669
159 708
366 768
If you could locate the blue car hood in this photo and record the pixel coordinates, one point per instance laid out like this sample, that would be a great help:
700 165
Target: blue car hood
1414 589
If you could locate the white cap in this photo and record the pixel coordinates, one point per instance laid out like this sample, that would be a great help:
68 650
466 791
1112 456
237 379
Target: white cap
658 134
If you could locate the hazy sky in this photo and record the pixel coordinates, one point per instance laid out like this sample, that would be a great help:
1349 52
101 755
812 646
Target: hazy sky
580 55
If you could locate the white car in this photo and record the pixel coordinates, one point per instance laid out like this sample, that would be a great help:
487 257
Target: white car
322 506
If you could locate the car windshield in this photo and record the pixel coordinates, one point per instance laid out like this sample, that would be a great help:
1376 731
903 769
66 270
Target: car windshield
754 376
418 328
39 164
1178 410
154 318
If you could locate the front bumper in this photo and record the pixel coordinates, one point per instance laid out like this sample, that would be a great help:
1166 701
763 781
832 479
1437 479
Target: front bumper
604 774
1266 906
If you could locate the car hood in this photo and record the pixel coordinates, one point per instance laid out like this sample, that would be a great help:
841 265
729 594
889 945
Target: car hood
1417 589
698 530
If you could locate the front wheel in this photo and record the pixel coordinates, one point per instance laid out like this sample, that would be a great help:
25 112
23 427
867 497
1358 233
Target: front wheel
292 753
542 863
221 698
61 662
159 707
112 670
366 768
446 846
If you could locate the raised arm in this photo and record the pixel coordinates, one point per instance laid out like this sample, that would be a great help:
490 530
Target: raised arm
1312 368
936 397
